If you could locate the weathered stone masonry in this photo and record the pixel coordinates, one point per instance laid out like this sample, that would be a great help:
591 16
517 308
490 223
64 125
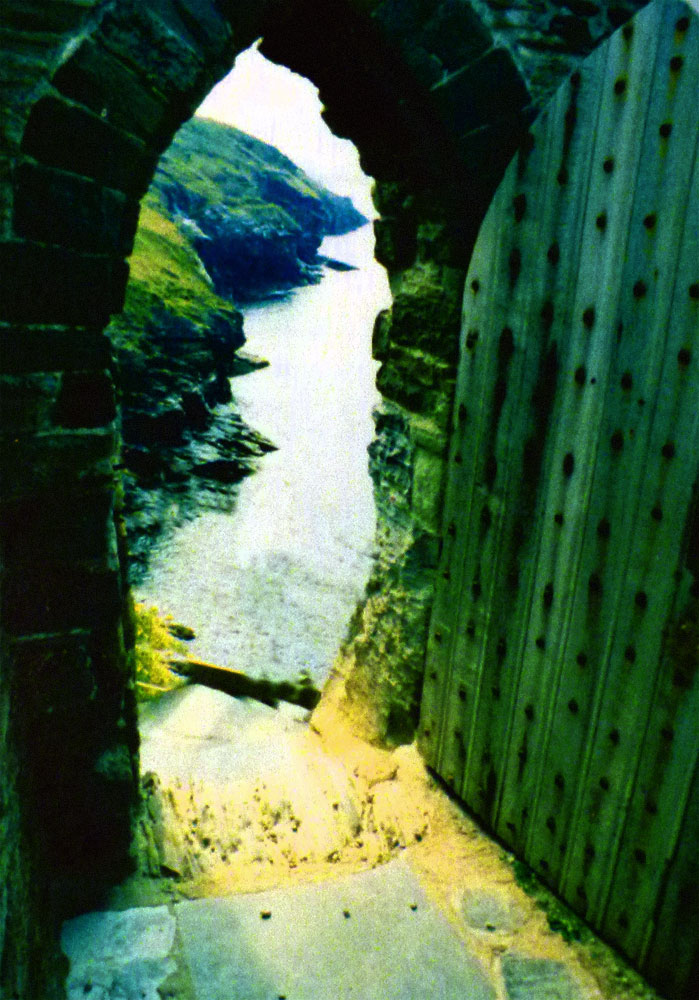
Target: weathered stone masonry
436 96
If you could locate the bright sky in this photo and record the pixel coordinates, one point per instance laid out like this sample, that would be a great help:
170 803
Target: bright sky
282 108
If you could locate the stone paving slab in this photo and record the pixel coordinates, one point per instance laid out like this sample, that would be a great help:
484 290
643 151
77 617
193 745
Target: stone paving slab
119 955
538 979
368 936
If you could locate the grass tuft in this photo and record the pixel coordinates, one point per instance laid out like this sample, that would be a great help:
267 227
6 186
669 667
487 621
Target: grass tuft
155 646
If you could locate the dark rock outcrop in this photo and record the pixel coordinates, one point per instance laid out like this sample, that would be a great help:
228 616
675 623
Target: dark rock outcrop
184 444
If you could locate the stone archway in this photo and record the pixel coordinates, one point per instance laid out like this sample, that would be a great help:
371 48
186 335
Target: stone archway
95 92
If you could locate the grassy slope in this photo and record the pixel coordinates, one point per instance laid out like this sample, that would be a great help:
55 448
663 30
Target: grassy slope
166 273
226 166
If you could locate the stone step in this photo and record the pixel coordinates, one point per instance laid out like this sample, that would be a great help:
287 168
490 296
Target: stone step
369 936
373 935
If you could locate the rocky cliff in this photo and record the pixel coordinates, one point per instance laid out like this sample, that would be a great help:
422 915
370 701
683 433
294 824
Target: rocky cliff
227 217
255 219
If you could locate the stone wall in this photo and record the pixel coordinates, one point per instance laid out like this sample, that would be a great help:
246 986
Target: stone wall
437 97
29 959
543 36
82 129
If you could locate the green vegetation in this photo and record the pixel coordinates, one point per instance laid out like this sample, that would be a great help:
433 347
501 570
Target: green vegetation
219 193
225 166
164 265
155 646
254 218
561 918
166 276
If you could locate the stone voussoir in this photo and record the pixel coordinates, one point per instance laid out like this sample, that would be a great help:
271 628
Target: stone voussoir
41 284
34 16
101 82
162 55
487 89
456 35
85 215
207 25
63 134
33 348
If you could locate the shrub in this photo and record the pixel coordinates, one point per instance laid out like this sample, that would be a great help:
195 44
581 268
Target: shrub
155 646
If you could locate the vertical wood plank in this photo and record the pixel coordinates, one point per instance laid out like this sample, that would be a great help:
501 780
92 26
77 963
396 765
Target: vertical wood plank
669 743
672 951
506 325
564 562
521 444
637 579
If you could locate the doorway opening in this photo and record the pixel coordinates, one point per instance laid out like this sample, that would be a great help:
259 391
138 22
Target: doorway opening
270 588
259 578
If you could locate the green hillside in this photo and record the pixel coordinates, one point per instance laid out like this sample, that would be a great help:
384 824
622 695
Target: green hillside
227 219
254 217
